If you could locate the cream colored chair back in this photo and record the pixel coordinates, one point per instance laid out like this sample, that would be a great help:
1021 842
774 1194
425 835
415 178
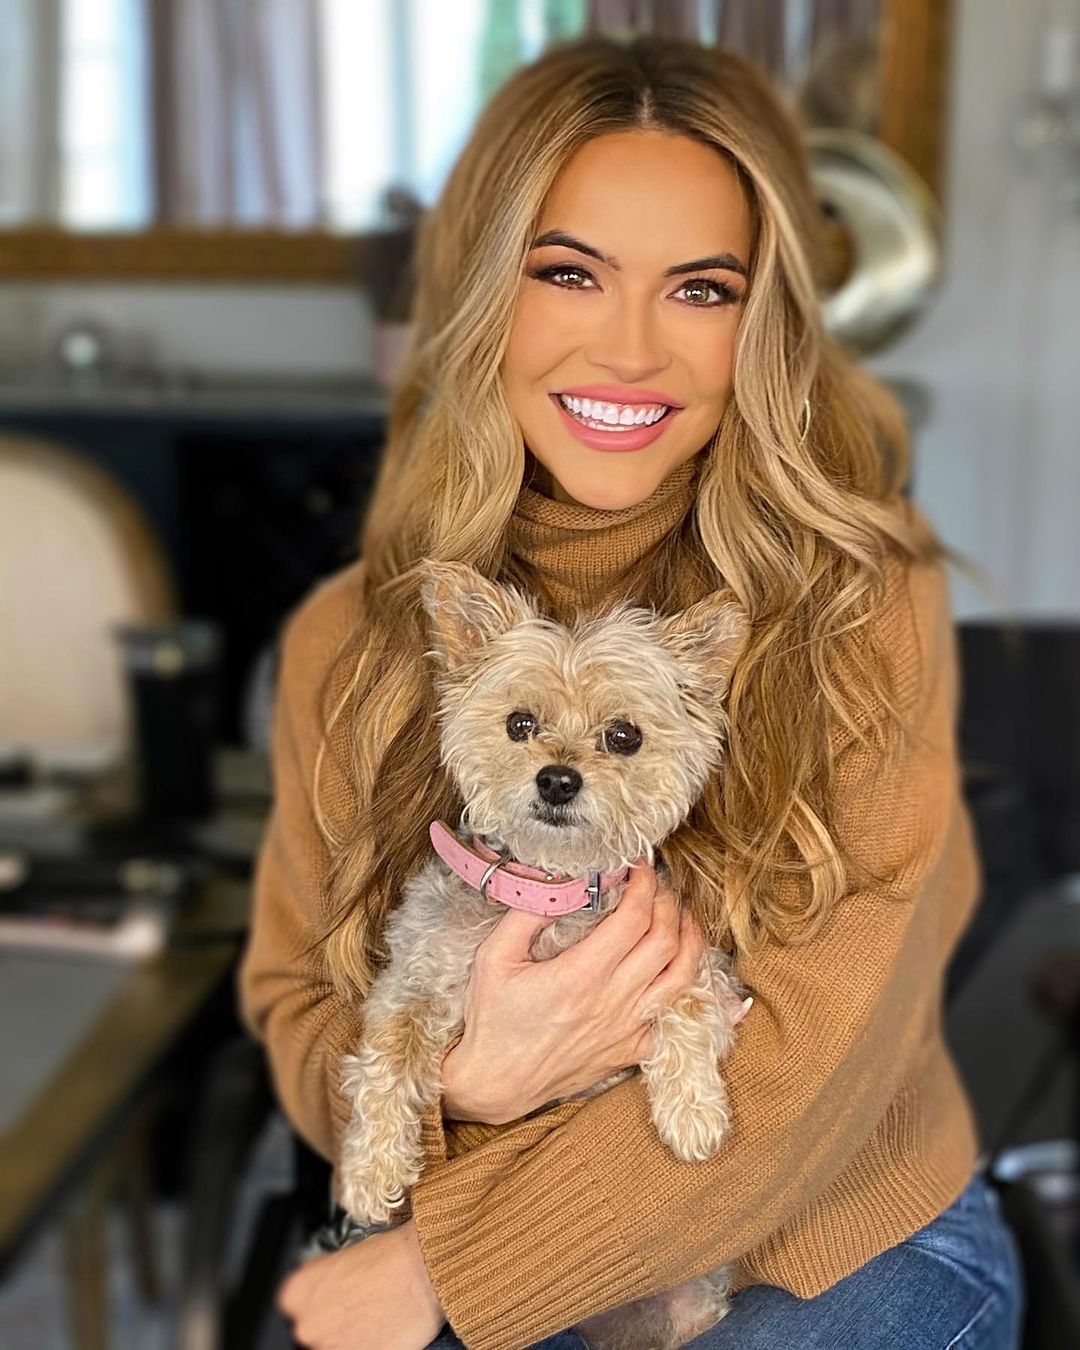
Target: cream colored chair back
77 556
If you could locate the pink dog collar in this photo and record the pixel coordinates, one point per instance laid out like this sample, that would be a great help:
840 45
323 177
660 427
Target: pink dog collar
510 883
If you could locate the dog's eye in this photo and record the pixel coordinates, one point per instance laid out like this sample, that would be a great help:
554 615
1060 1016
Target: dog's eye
622 738
520 725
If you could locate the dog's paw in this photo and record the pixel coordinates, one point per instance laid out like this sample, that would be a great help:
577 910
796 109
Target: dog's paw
665 1321
372 1199
380 1164
693 1129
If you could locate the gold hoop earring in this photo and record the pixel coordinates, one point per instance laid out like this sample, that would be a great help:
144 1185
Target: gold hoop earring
805 420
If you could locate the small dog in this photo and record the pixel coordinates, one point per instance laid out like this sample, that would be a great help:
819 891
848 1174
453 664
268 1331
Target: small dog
576 752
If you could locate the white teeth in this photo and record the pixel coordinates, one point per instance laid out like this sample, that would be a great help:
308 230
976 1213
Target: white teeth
595 413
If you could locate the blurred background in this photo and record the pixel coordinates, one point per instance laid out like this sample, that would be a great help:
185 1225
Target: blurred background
207 214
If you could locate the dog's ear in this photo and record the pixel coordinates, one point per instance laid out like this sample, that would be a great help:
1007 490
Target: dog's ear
708 637
465 610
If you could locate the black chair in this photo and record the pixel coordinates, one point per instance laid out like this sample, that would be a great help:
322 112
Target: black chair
237 1103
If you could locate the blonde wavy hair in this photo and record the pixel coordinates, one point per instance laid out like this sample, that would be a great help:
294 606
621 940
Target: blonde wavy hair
801 530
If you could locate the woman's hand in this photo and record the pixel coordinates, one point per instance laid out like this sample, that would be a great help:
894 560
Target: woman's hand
537 1030
374 1295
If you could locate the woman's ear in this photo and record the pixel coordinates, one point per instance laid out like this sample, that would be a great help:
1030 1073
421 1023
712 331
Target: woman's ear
466 610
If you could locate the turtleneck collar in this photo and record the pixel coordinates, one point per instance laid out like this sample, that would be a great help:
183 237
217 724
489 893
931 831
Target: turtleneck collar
582 552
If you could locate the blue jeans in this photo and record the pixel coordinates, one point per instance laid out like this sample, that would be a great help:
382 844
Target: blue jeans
954 1285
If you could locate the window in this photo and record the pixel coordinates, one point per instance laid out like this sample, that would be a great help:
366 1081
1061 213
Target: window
287 113
103 151
404 81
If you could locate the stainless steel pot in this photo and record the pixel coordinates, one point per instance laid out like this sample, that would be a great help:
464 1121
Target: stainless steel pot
895 226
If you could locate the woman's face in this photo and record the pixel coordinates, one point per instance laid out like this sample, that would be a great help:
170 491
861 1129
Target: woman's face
630 300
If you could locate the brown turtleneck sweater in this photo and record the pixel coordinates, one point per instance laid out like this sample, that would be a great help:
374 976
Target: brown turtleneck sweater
583 554
851 1127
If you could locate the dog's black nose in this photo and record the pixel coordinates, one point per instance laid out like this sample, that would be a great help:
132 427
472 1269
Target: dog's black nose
558 783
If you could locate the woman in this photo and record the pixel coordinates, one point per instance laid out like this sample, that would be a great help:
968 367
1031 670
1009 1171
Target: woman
633 224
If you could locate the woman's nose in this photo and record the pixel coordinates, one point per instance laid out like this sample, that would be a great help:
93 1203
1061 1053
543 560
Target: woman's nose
631 342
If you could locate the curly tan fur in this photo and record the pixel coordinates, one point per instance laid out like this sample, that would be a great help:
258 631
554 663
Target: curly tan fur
666 675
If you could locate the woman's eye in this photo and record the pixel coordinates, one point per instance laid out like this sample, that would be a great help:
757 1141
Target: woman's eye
622 738
727 295
559 270
520 725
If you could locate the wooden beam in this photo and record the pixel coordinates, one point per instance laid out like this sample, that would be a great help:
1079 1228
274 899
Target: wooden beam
915 55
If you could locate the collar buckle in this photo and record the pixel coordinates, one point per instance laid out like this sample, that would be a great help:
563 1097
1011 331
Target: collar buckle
489 872
592 890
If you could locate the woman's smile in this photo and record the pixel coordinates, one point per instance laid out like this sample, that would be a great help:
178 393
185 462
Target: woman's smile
604 425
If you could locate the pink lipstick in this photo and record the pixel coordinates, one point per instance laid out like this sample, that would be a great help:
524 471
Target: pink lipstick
619 437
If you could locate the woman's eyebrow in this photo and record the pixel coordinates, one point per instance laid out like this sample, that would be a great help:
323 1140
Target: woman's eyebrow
728 261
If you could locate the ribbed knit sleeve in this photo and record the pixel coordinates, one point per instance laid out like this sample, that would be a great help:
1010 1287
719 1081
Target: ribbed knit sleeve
286 998
584 1208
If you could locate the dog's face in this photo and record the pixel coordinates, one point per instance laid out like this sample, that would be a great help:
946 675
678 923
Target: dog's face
580 747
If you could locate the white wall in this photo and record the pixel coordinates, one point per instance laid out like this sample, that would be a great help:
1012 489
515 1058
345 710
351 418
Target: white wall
998 464
299 330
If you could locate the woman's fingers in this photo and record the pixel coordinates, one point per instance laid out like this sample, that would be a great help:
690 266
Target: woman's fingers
509 941
679 973
602 950
654 950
